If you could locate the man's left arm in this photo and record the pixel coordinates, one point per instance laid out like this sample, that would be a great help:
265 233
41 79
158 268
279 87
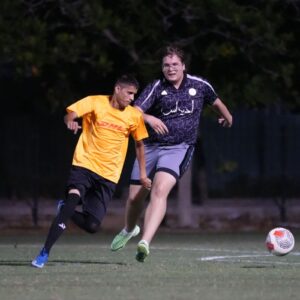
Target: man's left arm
226 117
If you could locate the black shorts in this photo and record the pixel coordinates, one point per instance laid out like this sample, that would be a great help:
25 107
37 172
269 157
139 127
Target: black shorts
95 191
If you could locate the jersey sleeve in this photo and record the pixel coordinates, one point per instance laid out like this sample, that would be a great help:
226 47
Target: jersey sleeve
147 97
210 95
139 131
81 107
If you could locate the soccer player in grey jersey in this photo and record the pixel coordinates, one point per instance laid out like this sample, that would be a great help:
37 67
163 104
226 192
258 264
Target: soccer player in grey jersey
172 108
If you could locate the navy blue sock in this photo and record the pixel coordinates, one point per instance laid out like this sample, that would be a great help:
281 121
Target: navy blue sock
59 223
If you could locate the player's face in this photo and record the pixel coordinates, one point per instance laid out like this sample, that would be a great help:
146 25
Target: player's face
125 95
173 68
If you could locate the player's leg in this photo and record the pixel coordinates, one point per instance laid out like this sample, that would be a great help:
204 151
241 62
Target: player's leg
133 210
94 204
57 227
77 184
173 162
86 221
137 193
157 207
134 205
162 185
135 201
59 222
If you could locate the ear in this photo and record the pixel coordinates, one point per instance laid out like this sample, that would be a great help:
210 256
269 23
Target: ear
183 67
117 88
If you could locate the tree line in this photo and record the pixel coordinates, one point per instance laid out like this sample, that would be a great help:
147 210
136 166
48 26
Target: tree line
55 51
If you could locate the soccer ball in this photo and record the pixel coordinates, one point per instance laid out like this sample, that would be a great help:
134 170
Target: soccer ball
280 241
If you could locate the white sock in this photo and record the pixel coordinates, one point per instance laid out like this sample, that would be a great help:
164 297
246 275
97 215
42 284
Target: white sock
144 242
125 231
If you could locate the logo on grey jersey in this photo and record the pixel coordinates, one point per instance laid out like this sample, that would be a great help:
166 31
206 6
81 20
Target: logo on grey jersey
180 110
192 92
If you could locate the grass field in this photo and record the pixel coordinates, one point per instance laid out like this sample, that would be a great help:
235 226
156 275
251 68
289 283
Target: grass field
180 266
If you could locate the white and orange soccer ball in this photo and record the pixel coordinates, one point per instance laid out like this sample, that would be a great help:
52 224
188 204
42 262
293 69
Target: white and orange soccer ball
280 241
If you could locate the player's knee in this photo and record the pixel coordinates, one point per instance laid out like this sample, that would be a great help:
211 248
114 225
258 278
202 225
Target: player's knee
159 192
74 191
93 227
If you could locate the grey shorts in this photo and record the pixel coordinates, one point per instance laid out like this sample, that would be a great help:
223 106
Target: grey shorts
172 159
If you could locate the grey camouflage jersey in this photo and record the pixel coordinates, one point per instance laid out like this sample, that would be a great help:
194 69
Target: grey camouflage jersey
180 109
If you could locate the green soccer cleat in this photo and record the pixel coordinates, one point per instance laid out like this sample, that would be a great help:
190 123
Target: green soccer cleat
142 251
123 237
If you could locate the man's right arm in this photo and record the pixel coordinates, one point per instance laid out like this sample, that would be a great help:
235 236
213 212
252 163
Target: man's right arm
69 120
158 125
145 101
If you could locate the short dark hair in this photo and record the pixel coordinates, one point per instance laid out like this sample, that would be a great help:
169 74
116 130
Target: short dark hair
127 79
173 50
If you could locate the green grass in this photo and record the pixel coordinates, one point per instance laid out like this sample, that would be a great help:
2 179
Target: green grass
180 266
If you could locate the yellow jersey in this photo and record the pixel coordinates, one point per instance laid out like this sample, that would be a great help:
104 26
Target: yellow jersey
103 143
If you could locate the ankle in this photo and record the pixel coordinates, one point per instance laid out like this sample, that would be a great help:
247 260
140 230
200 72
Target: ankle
128 230
144 242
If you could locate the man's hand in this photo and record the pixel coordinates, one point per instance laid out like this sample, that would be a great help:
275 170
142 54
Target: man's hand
157 124
224 122
221 109
146 182
70 122
73 125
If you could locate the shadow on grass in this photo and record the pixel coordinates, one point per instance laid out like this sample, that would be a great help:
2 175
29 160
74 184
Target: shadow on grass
69 262
259 267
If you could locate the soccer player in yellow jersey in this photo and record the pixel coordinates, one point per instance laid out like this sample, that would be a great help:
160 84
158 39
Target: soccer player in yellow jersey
107 123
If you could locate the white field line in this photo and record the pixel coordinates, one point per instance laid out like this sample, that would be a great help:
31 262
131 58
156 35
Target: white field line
234 258
225 257
250 252
203 249
239 259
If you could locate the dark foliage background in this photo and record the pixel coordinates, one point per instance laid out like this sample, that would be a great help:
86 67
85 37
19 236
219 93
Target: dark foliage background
53 52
